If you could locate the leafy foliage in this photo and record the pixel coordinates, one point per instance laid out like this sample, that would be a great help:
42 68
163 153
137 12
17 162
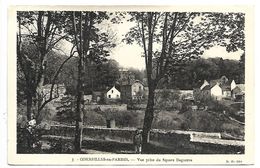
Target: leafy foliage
195 72
66 111
191 34
171 39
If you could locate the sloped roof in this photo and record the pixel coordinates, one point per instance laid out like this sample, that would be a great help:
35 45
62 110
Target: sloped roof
239 89
132 82
225 85
241 86
112 88
207 87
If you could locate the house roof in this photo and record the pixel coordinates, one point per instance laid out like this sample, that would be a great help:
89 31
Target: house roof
207 87
132 82
111 88
239 89
223 80
241 86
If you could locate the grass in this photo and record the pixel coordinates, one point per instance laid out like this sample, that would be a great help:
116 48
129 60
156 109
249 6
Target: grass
205 121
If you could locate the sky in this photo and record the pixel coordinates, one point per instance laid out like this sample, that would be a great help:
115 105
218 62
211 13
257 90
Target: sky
130 55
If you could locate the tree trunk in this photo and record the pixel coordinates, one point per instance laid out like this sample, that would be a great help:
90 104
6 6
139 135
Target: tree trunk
79 109
148 118
29 107
39 89
78 136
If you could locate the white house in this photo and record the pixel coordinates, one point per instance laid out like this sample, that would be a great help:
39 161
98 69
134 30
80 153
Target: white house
238 93
216 91
213 91
137 90
219 88
113 93
134 90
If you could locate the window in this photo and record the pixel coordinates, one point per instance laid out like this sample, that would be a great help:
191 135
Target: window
112 91
109 96
117 96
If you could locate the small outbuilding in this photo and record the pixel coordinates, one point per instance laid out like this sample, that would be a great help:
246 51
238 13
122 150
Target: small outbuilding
113 93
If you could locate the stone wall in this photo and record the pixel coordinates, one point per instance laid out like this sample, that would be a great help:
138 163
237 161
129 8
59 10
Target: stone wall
112 107
178 141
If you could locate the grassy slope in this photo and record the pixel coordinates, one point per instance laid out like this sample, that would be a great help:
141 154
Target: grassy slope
205 121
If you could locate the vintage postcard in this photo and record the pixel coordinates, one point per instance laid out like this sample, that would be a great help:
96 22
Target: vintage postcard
130 85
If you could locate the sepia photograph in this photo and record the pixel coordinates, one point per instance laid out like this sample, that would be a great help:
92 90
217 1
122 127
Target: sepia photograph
146 82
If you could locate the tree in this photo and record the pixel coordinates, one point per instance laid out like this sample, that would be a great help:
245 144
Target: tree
242 68
101 76
139 74
92 45
38 33
170 40
66 110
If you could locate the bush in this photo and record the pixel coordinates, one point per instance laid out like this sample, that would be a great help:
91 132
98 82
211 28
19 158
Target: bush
94 118
215 105
28 140
127 119
66 110
185 106
167 99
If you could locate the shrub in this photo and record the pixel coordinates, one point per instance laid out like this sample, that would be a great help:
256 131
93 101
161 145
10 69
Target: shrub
94 118
215 105
66 111
127 119
167 99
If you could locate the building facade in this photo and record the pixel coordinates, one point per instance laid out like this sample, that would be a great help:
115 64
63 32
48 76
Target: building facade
132 91
113 93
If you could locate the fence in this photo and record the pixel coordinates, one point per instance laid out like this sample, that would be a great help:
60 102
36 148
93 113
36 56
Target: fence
179 141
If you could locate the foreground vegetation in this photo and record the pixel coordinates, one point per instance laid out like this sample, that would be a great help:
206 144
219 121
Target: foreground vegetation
200 120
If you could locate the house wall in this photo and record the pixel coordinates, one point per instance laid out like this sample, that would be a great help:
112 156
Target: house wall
216 91
226 93
137 90
236 94
113 93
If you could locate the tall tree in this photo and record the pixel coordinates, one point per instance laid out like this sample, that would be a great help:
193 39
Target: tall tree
92 45
172 39
39 32
79 94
